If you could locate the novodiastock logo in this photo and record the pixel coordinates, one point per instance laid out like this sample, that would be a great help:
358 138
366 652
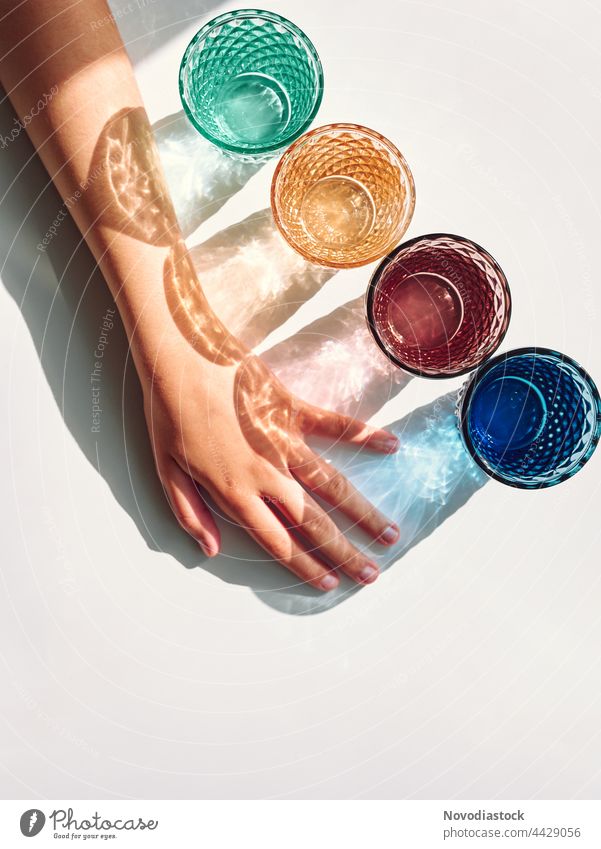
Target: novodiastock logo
32 822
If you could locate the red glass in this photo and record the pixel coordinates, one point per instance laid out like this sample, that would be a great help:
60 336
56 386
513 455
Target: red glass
438 305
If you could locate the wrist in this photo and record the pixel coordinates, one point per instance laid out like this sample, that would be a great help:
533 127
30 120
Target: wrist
163 354
166 315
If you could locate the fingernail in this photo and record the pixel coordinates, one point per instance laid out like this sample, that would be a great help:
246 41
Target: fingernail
209 549
368 574
329 582
390 535
389 442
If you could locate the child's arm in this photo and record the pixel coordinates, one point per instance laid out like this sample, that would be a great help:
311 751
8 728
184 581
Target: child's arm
216 415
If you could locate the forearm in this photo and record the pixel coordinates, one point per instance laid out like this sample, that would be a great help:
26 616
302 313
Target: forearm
94 139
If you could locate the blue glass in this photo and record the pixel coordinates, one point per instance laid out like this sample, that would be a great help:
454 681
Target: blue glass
531 418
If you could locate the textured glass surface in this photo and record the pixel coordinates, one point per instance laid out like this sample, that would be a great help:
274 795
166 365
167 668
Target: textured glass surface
438 305
250 81
342 195
531 418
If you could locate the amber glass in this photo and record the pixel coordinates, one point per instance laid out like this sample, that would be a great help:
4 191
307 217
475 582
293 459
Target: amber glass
342 195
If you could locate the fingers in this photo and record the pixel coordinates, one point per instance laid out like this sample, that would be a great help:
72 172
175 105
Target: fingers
340 427
328 483
267 529
189 507
323 536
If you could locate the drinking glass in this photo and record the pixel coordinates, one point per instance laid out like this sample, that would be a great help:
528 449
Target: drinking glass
342 195
530 418
438 305
251 82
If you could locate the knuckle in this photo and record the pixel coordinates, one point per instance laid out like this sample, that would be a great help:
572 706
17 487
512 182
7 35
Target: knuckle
370 517
314 476
319 526
302 417
188 521
354 561
341 422
279 550
236 507
337 486
234 497
367 514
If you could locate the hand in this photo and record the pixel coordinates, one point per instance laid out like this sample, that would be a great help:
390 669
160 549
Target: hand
218 419
236 432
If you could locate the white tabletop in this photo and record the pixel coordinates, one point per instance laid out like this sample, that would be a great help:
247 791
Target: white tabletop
132 667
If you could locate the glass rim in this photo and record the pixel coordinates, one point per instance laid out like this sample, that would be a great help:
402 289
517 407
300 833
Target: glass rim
324 129
371 291
468 391
236 14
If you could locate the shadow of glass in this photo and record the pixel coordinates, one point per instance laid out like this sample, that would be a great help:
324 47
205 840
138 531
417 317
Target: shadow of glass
429 479
126 183
252 279
357 378
63 299
191 312
201 178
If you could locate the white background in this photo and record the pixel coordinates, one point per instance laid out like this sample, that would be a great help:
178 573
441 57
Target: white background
130 666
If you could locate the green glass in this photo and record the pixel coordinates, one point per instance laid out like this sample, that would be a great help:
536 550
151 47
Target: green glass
251 82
